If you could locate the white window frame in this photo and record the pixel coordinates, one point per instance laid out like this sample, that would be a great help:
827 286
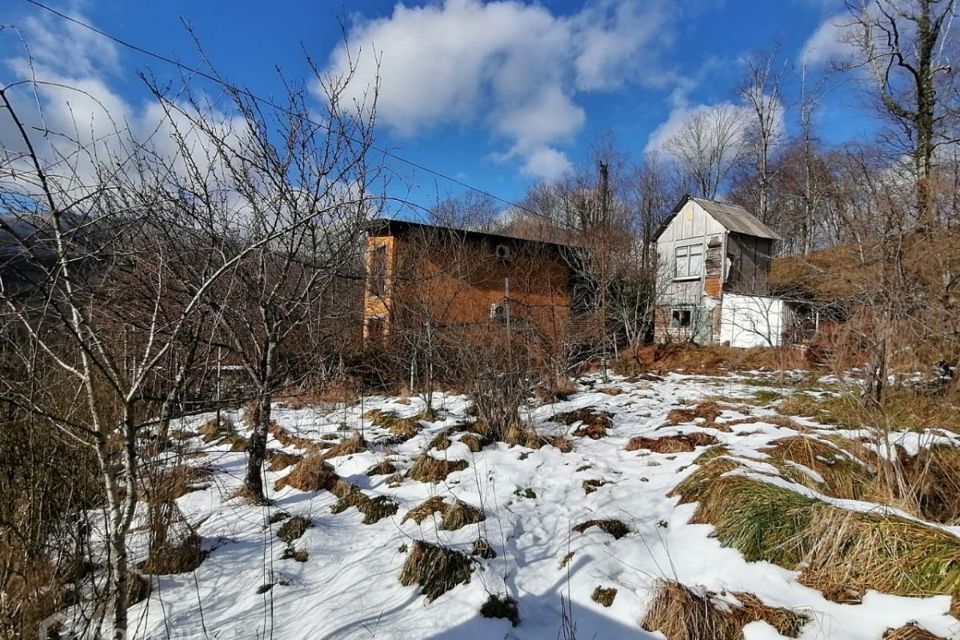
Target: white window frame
682 257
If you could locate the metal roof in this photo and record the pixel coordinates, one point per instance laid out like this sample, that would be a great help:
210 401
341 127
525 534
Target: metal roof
730 216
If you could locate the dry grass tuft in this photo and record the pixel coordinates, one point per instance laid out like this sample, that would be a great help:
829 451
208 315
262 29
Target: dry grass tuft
615 528
610 391
523 436
178 482
910 631
842 553
312 473
455 514
287 439
214 430
382 468
595 423
934 479
425 509
430 469
435 569
589 486
473 442
373 509
561 443
170 558
604 596
347 447
459 514
681 613
401 428
673 444
280 460
707 411
482 549
501 607
440 443
843 476
293 528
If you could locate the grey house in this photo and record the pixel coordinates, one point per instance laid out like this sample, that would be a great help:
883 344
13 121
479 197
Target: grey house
711 253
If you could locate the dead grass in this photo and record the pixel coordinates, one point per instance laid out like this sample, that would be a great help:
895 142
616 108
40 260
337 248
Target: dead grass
615 528
280 460
435 569
839 552
402 428
679 443
373 509
589 486
454 514
171 558
287 439
178 482
440 443
523 437
707 411
293 528
902 410
910 631
843 477
430 469
312 473
346 447
473 442
214 430
594 423
604 596
482 549
382 468
501 607
681 613
561 443
710 360
934 479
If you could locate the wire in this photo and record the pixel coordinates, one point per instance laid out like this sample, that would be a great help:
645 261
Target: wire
270 103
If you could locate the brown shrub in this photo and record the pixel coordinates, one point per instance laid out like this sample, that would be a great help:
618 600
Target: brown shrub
673 444
683 614
430 469
615 528
435 569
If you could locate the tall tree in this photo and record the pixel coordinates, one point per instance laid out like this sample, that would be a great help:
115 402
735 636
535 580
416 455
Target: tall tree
760 93
707 148
905 47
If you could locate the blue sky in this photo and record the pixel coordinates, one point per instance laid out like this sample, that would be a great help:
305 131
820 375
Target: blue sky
498 94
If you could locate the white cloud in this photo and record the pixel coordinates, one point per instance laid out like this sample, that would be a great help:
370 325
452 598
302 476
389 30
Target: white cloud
509 65
828 43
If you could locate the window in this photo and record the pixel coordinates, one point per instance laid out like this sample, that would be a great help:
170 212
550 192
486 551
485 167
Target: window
680 318
378 271
689 261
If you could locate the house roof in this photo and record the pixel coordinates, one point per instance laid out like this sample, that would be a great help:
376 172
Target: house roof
388 226
730 216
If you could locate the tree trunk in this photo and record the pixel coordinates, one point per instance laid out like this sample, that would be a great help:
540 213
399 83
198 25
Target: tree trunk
257 447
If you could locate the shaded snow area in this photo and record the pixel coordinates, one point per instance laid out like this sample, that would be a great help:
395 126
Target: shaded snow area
347 584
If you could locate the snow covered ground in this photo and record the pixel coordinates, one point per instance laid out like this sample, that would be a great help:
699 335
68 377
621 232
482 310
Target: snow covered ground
349 586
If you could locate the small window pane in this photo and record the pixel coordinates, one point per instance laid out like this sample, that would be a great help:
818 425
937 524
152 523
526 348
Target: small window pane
696 261
681 265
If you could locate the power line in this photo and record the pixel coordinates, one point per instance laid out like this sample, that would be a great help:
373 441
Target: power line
270 103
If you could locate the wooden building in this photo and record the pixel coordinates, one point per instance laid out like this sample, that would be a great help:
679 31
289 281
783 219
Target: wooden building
423 275
708 250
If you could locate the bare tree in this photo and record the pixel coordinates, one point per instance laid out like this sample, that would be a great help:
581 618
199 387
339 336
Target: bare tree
906 48
707 148
760 92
